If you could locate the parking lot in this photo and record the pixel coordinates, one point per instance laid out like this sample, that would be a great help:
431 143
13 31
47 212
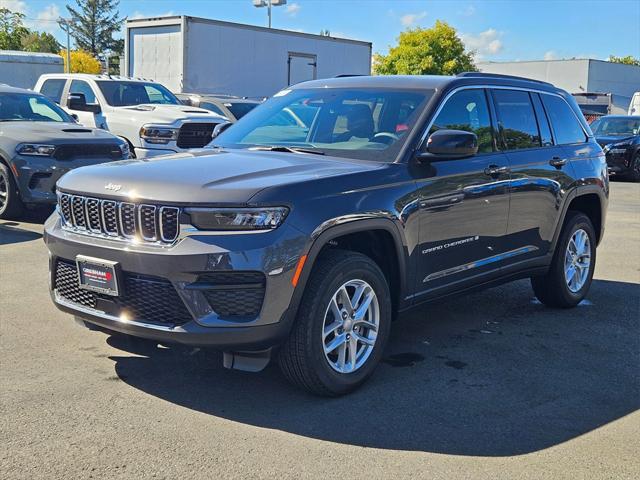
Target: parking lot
489 385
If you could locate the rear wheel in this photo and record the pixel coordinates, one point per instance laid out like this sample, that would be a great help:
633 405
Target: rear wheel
11 205
342 326
571 271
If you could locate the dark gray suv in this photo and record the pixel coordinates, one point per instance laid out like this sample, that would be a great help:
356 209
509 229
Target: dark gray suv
304 241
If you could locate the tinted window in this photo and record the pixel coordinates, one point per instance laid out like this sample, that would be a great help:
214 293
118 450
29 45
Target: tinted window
467 110
239 110
212 107
121 94
52 89
352 123
516 119
543 121
79 86
565 125
19 107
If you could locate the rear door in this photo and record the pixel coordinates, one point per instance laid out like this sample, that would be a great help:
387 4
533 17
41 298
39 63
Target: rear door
538 173
463 203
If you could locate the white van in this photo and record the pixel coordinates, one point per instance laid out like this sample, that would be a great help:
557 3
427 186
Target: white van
634 106
144 113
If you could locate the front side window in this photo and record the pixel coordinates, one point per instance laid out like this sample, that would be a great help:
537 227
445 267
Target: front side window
122 94
368 124
566 127
20 107
517 119
467 110
52 89
79 86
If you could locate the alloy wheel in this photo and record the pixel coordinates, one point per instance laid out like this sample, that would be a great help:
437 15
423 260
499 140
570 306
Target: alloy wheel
4 191
577 260
350 327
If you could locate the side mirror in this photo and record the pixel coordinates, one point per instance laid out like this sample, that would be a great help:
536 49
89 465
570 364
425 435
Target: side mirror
449 145
218 129
77 101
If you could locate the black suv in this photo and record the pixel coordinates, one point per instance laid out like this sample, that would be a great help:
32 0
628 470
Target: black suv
303 241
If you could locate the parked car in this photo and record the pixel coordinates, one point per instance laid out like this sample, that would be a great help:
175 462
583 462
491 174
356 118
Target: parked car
619 135
39 142
304 242
233 108
147 115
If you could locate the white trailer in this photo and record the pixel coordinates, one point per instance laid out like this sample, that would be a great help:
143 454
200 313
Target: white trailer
196 55
22 69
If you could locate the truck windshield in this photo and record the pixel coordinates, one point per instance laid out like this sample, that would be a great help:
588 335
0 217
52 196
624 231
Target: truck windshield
368 124
23 107
617 127
124 94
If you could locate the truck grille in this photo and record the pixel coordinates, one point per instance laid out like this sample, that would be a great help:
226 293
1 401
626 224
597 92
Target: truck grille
69 152
144 299
121 220
195 135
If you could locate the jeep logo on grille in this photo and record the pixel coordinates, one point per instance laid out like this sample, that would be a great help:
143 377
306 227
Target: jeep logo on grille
114 187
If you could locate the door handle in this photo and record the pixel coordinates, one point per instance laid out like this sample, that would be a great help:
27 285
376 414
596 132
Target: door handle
495 170
558 162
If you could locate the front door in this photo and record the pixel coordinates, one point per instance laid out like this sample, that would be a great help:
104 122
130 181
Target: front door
88 119
464 203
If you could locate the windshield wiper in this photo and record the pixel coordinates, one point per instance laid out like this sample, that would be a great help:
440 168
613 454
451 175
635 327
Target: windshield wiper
282 148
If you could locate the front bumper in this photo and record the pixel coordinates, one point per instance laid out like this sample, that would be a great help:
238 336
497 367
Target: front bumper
274 253
620 162
37 176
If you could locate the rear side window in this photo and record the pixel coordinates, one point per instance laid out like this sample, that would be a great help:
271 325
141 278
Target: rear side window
467 110
543 121
566 127
517 119
79 86
52 89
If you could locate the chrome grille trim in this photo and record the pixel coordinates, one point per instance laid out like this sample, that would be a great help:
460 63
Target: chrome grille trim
125 221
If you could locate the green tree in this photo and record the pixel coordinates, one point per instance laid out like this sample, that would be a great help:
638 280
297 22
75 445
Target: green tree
12 31
93 24
426 51
40 42
628 60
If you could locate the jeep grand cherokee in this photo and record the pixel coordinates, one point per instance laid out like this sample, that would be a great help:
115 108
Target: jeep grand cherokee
303 242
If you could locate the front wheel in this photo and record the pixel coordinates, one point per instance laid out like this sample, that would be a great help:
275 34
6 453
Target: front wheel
342 325
11 205
569 277
634 175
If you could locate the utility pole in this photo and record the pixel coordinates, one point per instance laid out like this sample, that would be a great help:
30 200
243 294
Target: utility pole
269 4
67 28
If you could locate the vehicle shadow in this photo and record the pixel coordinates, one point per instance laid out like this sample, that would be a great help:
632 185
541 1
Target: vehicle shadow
489 374
10 232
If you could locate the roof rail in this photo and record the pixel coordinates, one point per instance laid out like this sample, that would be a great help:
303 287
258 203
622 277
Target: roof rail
499 75
346 75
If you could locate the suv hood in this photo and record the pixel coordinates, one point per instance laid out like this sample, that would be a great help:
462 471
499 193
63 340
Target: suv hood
607 139
205 176
53 133
154 113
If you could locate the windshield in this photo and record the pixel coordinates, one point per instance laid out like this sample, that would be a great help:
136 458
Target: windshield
240 109
23 107
617 127
368 124
124 94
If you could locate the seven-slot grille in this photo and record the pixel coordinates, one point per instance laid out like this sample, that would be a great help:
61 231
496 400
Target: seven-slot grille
122 220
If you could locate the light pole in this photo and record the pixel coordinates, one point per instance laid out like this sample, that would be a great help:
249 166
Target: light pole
269 4
67 28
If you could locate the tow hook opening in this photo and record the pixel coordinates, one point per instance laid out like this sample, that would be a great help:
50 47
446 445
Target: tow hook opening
247 361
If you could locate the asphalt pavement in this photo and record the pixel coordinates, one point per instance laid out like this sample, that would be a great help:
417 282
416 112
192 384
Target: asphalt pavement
488 385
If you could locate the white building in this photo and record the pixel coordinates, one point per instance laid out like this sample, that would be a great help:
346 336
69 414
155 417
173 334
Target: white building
578 76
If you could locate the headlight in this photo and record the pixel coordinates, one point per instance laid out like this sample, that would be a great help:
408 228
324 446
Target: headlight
124 149
266 218
158 134
35 149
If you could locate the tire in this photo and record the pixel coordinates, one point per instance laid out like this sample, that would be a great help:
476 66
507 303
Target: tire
634 175
11 205
559 288
302 358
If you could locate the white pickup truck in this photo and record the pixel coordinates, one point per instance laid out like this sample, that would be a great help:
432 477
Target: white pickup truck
144 113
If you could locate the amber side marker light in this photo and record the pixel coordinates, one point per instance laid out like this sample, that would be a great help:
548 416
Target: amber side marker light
296 276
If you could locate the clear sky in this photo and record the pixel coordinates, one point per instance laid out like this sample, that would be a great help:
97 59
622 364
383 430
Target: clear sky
498 30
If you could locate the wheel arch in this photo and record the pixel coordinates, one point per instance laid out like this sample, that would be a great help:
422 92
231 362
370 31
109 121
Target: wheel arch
590 202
